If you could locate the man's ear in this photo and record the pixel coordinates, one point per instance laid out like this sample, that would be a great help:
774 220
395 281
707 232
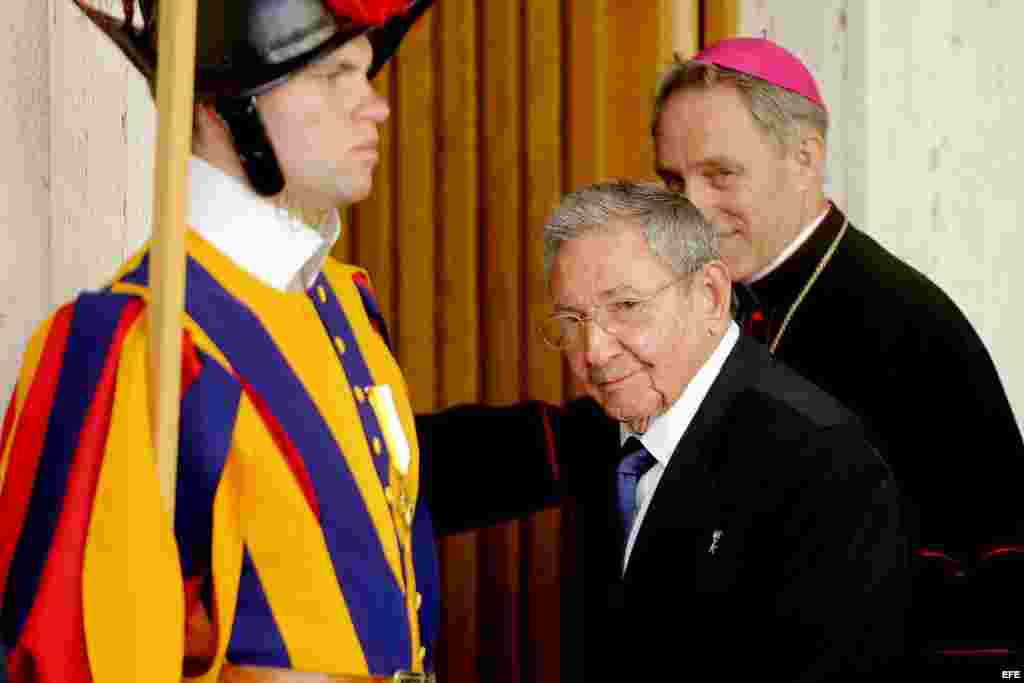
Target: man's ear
204 116
809 156
201 121
715 290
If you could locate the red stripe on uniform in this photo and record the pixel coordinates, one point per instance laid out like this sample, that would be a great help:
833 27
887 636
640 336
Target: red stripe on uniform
28 442
191 365
360 278
52 643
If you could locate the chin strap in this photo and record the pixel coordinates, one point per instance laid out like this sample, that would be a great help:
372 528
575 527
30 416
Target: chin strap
252 144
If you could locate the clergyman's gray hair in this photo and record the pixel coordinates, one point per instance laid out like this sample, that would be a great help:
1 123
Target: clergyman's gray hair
780 113
674 229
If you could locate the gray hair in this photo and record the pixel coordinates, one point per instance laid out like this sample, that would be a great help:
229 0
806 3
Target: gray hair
780 113
674 229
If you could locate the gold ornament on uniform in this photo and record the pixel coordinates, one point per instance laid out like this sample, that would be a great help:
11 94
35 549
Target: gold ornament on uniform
402 502
401 498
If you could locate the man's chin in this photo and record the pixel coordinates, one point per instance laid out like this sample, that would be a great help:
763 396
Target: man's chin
630 412
740 263
356 193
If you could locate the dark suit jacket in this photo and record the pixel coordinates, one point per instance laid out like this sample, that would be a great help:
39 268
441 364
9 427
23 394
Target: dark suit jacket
807 580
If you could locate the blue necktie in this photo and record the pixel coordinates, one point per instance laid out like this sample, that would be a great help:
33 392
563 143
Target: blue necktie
634 464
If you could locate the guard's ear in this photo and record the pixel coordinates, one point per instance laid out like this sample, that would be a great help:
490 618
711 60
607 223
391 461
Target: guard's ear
205 122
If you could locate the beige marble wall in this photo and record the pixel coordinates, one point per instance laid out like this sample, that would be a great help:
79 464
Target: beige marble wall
75 130
925 149
25 173
102 127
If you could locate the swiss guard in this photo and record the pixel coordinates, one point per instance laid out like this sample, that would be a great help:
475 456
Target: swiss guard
301 547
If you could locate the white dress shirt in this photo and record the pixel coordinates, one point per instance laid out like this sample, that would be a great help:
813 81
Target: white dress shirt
265 240
666 430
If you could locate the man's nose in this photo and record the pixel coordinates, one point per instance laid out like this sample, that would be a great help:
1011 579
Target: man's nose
376 108
598 345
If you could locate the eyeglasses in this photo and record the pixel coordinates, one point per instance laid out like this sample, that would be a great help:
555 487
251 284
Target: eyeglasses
564 331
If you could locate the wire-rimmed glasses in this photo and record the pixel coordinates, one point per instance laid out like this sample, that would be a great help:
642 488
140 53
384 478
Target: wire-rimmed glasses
564 330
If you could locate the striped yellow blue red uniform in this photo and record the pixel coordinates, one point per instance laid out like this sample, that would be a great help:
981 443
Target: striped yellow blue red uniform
295 524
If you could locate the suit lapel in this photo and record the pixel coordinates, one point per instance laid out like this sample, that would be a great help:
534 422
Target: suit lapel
684 502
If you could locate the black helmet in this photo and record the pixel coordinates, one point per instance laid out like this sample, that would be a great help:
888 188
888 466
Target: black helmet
246 47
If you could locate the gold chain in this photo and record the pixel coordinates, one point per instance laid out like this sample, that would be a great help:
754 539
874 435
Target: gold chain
807 287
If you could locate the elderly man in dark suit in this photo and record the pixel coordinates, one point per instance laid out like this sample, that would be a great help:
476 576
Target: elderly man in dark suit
732 512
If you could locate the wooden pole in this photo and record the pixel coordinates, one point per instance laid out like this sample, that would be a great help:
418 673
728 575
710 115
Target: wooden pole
721 20
175 80
680 29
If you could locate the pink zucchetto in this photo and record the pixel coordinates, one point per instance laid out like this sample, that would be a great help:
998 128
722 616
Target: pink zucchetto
761 58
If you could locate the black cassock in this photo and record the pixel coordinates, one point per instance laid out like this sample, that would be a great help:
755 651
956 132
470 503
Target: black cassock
894 348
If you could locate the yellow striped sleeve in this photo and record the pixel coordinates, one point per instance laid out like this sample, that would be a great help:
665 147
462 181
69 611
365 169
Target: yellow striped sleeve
133 598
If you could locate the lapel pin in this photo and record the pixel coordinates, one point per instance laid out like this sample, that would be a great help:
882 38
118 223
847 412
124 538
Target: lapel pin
715 536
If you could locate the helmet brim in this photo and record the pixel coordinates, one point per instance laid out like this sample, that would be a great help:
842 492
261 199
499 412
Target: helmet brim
386 38
213 82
